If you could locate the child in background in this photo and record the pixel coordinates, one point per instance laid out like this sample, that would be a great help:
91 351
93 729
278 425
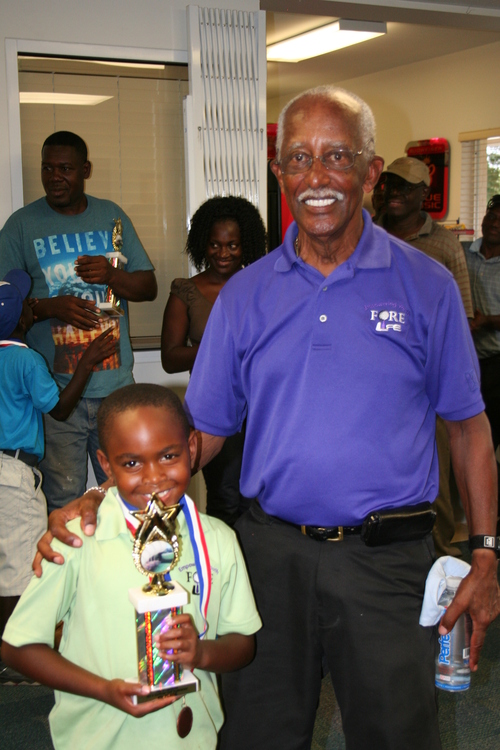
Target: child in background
27 390
146 447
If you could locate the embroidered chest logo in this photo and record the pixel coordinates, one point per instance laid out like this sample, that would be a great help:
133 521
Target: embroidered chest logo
192 580
388 320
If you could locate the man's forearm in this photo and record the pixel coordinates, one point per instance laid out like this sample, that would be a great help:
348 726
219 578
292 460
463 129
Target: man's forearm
475 471
46 308
209 448
135 286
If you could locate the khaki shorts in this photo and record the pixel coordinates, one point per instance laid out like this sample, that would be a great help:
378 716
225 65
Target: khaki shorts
23 520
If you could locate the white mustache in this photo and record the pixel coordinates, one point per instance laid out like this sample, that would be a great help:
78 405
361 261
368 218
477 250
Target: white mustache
320 195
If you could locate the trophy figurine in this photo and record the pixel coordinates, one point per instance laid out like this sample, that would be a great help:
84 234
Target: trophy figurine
112 304
155 553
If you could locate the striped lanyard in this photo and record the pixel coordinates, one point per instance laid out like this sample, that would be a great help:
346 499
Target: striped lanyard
11 342
198 543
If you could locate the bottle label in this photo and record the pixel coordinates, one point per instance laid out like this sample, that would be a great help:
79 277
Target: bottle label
444 652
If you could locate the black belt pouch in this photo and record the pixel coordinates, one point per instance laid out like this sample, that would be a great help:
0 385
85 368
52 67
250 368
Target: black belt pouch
398 524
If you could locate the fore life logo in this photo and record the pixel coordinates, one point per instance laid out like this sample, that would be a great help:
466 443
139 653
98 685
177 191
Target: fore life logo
388 320
192 579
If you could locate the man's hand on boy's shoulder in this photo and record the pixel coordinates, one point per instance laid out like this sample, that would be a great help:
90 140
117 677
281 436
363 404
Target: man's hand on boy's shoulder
85 506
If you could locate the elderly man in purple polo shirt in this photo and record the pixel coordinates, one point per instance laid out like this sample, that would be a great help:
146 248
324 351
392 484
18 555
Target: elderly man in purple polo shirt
339 348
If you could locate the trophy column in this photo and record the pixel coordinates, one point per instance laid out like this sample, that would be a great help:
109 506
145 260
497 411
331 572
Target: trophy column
155 553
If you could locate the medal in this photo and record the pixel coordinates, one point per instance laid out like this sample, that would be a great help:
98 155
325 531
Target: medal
184 720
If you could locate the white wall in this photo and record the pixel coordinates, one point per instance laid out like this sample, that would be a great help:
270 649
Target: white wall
435 98
150 25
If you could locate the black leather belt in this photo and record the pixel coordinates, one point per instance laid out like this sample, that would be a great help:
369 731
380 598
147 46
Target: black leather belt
329 533
318 533
321 533
27 458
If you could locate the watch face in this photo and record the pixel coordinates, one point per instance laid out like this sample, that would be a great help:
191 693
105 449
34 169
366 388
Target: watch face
481 541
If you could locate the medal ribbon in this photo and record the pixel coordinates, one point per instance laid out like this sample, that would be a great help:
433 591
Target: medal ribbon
201 558
132 522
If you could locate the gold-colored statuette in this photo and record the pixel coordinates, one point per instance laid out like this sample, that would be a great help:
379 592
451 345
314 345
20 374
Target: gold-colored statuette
112 304
155 553
156 548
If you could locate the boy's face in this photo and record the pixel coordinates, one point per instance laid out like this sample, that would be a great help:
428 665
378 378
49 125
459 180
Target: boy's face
147 451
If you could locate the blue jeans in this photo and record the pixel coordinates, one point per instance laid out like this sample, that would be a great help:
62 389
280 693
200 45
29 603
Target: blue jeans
67 445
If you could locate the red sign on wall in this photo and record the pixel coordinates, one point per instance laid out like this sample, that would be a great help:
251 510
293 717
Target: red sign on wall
435 152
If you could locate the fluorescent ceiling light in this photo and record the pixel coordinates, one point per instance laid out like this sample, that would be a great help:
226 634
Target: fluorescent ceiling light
152 66
113 63
333 36
47 97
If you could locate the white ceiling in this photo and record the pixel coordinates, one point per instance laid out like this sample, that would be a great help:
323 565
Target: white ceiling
412 36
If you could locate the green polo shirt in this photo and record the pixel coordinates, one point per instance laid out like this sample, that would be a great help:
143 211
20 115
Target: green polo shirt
90 593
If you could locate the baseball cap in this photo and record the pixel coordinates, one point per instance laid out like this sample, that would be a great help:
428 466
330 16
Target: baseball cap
410 169
13 291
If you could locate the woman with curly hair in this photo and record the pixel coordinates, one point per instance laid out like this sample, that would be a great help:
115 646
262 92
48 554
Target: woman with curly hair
225 235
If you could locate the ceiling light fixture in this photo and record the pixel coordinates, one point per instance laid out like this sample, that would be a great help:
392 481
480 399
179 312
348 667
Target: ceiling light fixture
114 63
47 97
333 36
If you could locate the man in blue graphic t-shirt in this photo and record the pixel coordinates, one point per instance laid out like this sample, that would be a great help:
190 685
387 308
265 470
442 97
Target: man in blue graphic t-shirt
62 240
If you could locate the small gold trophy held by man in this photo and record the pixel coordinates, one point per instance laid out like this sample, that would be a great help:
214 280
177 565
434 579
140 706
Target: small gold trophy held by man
155 553
112 304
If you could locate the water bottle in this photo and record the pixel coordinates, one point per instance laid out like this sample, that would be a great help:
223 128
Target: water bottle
452 663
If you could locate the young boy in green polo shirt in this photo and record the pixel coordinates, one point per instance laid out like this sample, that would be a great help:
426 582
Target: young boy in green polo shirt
146 447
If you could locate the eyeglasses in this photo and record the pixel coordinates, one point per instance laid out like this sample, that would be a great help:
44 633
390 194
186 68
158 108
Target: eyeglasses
337 159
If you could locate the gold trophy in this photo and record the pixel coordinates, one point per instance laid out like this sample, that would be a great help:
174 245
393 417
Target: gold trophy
155 553
112 304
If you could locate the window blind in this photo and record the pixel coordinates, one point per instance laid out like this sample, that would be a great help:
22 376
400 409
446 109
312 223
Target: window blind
136 146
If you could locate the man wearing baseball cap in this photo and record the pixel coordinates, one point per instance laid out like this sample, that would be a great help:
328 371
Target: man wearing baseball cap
407 184
27 389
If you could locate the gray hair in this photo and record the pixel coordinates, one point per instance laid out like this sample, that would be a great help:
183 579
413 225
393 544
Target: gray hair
367 128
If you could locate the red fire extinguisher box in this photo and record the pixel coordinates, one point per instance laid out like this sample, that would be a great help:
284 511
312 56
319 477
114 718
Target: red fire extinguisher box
435 152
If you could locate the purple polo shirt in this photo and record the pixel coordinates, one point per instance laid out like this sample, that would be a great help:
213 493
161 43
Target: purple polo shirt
340 378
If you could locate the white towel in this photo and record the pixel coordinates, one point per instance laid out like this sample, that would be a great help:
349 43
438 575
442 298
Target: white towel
435 585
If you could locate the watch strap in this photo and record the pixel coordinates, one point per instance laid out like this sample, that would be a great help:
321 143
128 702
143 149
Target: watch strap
483 541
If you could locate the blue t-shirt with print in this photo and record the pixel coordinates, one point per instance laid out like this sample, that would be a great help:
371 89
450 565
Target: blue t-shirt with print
46 244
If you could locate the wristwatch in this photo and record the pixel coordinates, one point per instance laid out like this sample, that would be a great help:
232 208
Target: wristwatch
481 541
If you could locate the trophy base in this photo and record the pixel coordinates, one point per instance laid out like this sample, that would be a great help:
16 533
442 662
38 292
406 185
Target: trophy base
188 684
108 309
149 601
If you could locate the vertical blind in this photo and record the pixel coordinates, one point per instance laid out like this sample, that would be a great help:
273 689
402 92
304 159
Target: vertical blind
226 108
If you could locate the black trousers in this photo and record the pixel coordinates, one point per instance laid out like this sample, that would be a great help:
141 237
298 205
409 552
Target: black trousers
356 606
490 390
